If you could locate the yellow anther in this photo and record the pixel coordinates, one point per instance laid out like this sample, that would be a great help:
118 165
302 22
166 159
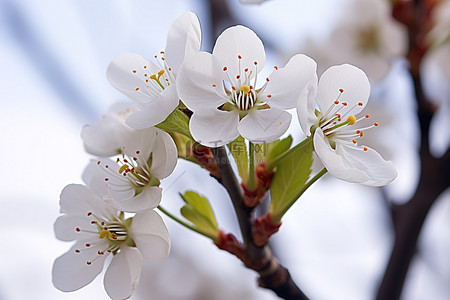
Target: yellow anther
160 73
123 168
351 119
104 233
245 88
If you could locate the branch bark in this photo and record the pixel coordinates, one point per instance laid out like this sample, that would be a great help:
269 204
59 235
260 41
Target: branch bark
272 275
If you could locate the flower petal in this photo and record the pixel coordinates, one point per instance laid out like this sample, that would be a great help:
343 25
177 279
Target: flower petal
155 111
148 198
123 274
71 270
265 125
337 165
165 155
242 41
183 40
151 236
214 128
286 84
121 75
66 228
379 171
306 106
106 136
351 80
200 82
78 200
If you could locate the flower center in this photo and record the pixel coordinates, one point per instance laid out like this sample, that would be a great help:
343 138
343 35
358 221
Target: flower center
114 229
337 130
240 89
152 83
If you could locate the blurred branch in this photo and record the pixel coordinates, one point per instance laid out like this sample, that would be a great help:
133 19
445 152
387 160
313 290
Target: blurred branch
272 275
434 177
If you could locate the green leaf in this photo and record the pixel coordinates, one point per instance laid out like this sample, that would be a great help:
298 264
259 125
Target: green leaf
278 147
177 121
292 172
238 149
199 212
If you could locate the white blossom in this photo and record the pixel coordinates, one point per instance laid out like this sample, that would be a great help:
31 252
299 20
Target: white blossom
99 230
341 94
152 84
221 90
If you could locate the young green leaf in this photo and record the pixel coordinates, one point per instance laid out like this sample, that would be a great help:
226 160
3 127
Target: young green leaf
292 172
199 212
177 121
238 149
278 147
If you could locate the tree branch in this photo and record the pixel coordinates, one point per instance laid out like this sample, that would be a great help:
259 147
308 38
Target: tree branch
272 274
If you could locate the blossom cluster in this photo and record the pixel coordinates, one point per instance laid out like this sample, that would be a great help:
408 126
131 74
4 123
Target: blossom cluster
223 97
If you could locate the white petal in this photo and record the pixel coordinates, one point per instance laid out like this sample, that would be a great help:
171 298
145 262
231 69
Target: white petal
348 78
164 155
123 274
265 125
148 198
78 200
200 82
155 111
71 270
183 40
151 236
379 171
240 40
105 137
336 164
214 128
306 106
286 84
121 76
66 228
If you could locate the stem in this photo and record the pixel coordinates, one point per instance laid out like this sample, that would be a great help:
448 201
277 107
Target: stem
251 182
188 226
277 218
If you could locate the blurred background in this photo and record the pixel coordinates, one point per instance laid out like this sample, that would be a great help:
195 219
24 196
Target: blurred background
336 241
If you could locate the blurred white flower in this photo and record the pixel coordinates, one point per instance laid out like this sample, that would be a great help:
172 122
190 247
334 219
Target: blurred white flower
252 1
151 85
131 182
341 94
100 230
220 88
366 36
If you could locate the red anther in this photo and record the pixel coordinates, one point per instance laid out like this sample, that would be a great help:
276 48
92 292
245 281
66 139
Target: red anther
106 179
341 90
375 124
214 85
225 68
135 158
98 162
109 251
93 222
137 152
78 229
240 57
267 79
275 67
246 70
361 134
107 166
367 116
251 87
354 141
146 80
88 245
77 251
255 63
103 223
125 161
145 75
137 89
334 123
145 67
365 148
233 88
134 71
114 237
269 96
336 102
360 104
89 263
89 213
344 103
106 228
358 131
238 76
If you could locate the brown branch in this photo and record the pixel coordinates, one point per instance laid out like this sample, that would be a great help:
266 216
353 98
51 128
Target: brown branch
272 275
434 177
